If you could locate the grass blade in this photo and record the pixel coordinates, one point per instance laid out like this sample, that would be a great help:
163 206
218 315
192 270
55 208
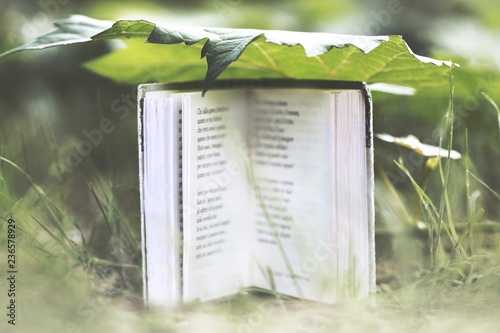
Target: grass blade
101 208
423 196
426 201
397 199
469 230
467 186
104 262
74 248
484 184
492 102
444 201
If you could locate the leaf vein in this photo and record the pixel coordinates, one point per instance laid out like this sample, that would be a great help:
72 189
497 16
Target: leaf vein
383 66
339 66
260 65
265 54
325 67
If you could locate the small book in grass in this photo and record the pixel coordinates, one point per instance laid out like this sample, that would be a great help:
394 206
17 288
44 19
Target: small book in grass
258 183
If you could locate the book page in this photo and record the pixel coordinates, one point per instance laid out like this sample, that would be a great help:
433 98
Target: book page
216 220
291 154
350 195
161 183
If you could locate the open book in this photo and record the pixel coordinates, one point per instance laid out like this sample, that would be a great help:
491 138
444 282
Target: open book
265 184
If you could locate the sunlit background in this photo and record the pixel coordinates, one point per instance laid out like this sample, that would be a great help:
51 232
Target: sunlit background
48 101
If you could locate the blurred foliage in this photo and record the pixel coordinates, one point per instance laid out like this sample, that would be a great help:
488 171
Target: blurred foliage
486 11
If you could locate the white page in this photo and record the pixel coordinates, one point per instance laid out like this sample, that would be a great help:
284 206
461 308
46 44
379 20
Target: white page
176 110
216 221
350 184
291 159
161 132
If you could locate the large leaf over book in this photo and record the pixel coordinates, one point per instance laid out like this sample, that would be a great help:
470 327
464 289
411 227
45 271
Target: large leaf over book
244 53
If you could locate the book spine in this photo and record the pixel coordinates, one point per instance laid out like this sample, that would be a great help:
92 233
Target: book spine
140 131
370 192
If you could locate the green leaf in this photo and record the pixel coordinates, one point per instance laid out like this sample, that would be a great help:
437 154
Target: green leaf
75 29
302 55
246 53
127 29
139 63
224 46
390 62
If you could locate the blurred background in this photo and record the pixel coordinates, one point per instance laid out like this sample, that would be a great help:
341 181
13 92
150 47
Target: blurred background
48 102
